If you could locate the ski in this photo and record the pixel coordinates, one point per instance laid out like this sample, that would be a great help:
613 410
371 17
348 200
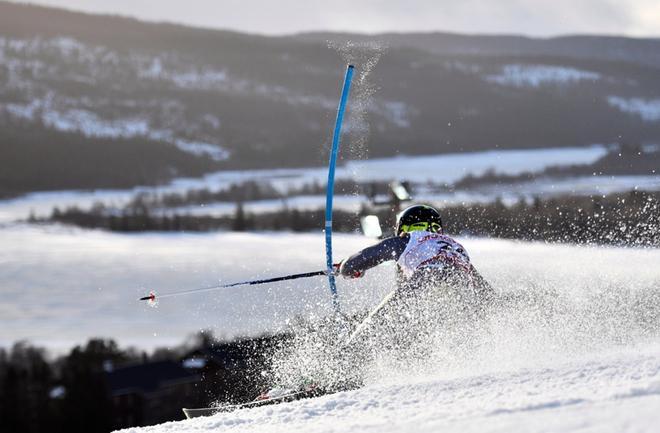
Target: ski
284 398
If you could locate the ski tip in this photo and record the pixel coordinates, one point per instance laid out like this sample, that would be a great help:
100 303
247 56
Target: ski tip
194 413
351 66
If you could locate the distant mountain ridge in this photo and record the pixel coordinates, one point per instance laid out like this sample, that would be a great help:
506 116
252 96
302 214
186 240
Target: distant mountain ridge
155 101
642 51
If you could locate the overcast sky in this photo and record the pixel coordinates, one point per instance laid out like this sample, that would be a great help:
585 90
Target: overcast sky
530 17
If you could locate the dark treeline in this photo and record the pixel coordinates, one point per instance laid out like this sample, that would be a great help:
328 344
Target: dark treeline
77 392
631 218
64 395
626 219
142 219
250 190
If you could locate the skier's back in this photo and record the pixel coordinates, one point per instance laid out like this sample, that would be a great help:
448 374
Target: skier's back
419 246
427 259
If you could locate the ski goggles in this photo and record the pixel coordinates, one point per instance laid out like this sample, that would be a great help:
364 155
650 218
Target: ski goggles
422 226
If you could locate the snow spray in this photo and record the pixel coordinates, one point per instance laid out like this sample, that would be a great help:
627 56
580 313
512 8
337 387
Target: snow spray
548 311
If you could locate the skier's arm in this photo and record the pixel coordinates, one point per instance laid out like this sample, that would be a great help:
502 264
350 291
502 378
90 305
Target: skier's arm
387 249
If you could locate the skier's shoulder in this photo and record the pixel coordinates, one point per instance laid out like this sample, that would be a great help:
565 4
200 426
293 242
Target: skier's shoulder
384 249
452 241
446 237
422 237
393 242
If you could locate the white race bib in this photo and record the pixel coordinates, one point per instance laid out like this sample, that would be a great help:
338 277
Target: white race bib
426 248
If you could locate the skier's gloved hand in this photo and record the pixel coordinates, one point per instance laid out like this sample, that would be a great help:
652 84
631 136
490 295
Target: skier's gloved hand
346 274
355 274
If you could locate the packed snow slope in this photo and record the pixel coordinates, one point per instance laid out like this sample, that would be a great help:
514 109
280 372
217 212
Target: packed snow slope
609 393
572 343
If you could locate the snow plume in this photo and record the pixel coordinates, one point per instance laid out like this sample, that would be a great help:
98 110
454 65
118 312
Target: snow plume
365 56
531 323
531 327
315 356
348 353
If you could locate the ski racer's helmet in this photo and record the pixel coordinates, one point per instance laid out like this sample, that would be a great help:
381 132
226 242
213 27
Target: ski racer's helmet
419 218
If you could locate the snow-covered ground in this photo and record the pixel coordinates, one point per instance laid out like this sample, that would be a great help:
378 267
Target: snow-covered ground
578 352
647 109
90 124
612 392
575 347
517 75
413 168
61 285
546 188
55 278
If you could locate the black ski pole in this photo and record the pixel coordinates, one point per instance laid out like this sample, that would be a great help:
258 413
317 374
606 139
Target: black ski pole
152 296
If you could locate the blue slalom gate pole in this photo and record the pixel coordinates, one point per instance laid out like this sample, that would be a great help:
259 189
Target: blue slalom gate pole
330 190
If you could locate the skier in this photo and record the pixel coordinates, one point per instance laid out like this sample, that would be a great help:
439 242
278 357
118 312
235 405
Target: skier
427 261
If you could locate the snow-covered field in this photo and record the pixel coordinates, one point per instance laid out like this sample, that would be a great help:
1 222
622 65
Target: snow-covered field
537 75
647 109
61 285
412 168
578 351
56 278
575 347
419 169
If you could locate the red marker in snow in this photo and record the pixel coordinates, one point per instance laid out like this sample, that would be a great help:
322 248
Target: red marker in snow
150 298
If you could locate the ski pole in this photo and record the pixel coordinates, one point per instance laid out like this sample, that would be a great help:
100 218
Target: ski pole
152 296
